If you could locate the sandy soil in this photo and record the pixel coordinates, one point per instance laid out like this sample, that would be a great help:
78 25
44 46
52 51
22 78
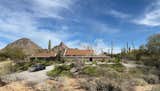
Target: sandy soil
63 84
146 88
16 86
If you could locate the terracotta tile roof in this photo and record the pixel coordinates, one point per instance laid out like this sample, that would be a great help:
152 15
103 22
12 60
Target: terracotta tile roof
77 52
45 54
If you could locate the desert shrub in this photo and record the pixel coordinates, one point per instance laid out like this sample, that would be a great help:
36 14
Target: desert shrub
13 53
5 67
150 75
2 58
109 60
118 67
23 66
151 79
63 70
66 73
117 59
156 88
54 72
99 85
72 65
103 60
108 70
46 63
89 70
59 58
94 62
136 72
150 61
43 62
138 82
104 86
2 83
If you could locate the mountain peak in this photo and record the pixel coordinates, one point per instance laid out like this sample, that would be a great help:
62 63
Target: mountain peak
28 46
62 45
24 38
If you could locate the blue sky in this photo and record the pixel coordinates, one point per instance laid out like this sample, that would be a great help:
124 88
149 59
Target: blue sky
80 23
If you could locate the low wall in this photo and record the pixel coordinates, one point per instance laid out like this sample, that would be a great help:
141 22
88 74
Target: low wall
86 57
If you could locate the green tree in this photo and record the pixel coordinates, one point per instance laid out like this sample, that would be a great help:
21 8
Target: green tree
123 52
153 44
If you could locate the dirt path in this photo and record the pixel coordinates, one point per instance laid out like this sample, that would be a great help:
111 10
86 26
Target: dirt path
35 77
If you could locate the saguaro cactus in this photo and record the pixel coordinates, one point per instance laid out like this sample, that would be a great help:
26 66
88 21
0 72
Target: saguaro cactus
49 45
111 48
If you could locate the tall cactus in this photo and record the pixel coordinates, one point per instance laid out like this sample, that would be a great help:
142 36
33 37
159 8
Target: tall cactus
49 45
111 48
127 47
133 45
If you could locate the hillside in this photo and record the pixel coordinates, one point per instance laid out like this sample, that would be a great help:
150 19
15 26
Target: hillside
25 44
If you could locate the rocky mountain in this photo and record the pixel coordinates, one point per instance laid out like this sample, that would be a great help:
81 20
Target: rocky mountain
26 45
61 47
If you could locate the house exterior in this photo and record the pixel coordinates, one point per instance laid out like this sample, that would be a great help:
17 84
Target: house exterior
73 54
67 53
44 56
77 52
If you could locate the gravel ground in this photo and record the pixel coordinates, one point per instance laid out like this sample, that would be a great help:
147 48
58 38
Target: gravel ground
129 65
36 77
40 76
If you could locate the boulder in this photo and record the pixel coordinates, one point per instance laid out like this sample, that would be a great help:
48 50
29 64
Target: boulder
2 83
73 70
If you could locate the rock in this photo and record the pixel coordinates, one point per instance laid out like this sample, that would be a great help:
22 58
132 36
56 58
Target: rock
93 65
76 73
60 48
73 70
2 83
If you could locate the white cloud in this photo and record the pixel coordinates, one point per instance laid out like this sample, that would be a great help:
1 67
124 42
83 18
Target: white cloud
37 8
13 30
51 8
73 44
99 45
19 20
103 28
48 4
151 16
118 14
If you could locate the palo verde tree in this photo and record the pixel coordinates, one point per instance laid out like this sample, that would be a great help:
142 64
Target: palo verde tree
153 44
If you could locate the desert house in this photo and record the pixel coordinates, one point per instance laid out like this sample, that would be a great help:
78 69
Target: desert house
78 52
87 54
68 53
44 56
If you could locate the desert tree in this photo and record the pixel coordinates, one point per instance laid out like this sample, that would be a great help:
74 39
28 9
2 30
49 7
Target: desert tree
153 44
